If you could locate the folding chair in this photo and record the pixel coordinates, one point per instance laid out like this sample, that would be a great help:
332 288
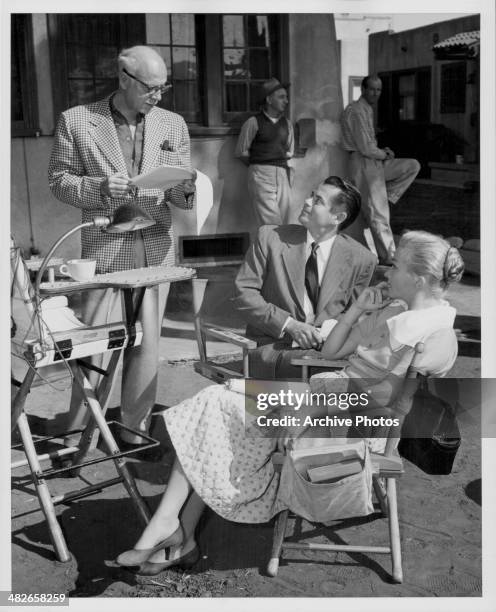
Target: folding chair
386 469
214 371
36 350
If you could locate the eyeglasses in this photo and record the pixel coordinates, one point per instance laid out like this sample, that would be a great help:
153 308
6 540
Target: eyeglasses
150 90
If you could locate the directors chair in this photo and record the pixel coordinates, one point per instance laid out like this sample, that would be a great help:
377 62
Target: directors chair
387 467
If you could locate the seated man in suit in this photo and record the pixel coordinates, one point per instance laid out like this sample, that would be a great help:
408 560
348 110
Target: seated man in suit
297 277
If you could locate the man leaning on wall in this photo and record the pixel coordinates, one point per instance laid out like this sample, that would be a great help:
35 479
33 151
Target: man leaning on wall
381 178
265 144
98 147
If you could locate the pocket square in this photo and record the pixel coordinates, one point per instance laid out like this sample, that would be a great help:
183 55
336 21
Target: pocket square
166 146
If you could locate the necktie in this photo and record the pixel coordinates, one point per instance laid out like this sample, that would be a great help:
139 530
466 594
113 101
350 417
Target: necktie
312 277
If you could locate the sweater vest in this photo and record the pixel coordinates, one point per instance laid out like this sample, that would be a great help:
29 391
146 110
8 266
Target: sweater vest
270 144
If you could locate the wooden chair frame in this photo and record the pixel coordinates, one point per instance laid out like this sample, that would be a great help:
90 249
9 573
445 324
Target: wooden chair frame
386 468
205 367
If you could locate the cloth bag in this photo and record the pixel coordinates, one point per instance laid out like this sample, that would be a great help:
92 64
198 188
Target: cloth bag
350 496
430 436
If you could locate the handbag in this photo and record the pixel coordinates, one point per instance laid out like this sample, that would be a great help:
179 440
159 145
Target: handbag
430 436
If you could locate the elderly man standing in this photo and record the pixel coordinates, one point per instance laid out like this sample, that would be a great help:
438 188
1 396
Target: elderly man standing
381 178
265 143
98 147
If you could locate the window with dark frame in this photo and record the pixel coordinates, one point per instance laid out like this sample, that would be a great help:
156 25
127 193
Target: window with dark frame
354 88
23 91
405 96
215 62
83 52
173 36
453 87
248 59
91 44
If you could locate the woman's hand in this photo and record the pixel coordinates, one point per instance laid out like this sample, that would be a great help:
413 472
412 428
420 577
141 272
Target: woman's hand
373 298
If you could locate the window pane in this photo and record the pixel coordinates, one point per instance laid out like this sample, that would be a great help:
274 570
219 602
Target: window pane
157 28
183 29
407 108
185 96
406 84
78 28
79 61
259 64
235 64
184 63
165 53
107 29
249 63
106 63
81 92
453 88
233 31
258 31
236 97
406 90
255 97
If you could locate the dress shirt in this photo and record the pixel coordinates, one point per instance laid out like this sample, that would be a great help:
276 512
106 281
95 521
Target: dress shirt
323 253
357 130
130 140
131 143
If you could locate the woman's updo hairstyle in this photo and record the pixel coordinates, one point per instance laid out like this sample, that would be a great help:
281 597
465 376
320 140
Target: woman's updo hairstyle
433 258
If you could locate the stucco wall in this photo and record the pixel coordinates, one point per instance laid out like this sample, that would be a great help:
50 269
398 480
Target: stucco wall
316 93
30 192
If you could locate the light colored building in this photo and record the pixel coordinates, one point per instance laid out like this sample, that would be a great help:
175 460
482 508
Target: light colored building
353 31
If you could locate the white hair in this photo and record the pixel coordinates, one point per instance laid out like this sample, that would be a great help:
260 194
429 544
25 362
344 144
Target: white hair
133 58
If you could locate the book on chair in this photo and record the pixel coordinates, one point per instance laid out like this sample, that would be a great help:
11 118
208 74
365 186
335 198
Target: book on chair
334 472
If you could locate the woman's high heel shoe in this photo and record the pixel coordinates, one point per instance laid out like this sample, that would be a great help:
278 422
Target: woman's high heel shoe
137 556
184 562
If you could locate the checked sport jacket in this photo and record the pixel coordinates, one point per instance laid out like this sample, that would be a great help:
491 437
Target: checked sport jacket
86 150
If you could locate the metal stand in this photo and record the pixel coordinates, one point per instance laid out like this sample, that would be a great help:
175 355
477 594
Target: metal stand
95 400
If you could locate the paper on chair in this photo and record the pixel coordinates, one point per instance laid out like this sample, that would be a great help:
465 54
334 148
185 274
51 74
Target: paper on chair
163 177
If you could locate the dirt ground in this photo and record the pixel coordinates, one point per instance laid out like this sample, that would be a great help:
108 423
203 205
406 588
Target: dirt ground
440 523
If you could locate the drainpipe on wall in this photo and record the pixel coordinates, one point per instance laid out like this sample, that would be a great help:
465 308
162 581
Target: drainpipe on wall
33 250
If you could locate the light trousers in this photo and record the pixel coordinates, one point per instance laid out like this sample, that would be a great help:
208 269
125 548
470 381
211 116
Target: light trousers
381 183
140 363
270 193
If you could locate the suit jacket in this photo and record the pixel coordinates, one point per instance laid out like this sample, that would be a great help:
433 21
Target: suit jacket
86 150
270 284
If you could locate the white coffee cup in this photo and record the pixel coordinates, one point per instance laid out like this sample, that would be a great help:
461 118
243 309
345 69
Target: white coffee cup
79 269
